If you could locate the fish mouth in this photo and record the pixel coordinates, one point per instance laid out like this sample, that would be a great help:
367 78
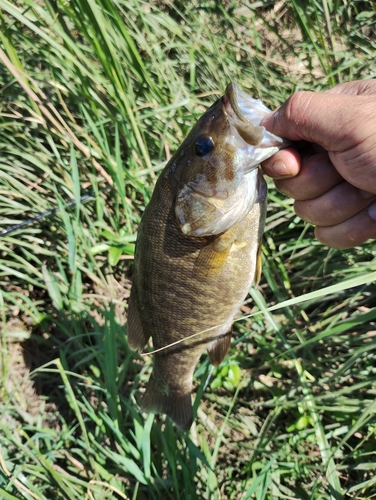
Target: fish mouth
246 109
246 114
231 96
240 108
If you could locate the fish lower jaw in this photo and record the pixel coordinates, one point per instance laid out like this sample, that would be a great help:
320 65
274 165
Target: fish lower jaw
186 229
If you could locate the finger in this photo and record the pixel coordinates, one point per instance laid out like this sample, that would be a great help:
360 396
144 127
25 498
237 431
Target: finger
334 207
285 163
316 177
358 87
330 120
350 233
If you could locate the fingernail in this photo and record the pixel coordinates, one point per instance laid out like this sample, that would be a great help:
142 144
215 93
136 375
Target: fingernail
366 194
372 210
279 169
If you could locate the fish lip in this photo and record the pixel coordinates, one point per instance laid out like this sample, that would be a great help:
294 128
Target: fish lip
241 110
231 98
246 109
246 114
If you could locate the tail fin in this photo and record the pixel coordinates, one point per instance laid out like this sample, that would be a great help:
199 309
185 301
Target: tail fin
159 399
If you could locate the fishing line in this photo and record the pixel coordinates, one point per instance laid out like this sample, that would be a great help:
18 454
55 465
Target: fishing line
345 285
43 215
49 213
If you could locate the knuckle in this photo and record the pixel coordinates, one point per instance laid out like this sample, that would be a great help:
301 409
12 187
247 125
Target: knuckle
296 107
295 115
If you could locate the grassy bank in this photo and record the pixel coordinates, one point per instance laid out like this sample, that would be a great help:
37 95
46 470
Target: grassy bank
95 96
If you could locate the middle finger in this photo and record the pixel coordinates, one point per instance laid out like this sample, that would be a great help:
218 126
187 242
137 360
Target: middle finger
317 176
335 206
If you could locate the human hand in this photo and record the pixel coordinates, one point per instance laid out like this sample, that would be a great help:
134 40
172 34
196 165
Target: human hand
335 187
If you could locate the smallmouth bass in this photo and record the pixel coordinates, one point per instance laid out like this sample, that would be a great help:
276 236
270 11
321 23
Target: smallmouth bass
198 248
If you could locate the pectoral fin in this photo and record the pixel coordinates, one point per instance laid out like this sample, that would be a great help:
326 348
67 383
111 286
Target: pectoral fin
213 255
137 339
218 350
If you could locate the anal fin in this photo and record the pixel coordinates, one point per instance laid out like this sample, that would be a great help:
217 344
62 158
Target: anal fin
137 339
218 350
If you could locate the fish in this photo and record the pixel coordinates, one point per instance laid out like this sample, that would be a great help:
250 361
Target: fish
198 248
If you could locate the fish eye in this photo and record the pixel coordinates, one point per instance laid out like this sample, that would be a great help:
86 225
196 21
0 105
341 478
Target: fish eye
204 145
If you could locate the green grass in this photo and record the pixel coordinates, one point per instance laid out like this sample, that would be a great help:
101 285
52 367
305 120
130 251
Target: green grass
94 97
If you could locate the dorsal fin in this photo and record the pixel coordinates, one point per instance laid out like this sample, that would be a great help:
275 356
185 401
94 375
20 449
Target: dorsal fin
137 339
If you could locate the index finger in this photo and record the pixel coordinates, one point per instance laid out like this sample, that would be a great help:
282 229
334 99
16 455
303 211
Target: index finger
284 164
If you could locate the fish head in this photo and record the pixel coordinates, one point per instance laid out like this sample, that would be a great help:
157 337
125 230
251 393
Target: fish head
217 166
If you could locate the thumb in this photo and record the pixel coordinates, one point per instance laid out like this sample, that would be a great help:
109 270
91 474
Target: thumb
334 121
